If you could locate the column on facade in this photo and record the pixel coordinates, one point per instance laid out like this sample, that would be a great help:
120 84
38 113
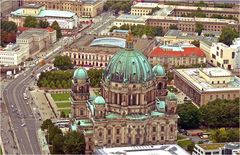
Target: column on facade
137 102
118 99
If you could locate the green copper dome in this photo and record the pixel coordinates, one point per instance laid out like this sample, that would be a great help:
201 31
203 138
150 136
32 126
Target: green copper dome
159 70
171 96
99 100
80 74
128 66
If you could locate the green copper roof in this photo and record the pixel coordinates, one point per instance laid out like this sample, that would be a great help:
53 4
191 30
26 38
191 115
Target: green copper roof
74 127
99 100
80 74
113 115
84 122
156 113
128 66
161 105
159 70
171 96
136 117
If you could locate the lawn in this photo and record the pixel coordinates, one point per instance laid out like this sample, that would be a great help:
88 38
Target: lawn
179 137
61 97
63 104
66 111
185 143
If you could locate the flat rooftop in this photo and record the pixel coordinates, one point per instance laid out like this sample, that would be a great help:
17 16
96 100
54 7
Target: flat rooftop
213 146
145 5
191 75
194 19
136 18
216 72
33 6
46 13
171 149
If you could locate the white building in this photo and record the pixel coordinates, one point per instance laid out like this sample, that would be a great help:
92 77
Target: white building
225 56
217 149
130 20
13 54
167 149
143 8
66 19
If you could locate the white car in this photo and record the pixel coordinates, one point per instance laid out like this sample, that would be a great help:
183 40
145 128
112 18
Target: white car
23 125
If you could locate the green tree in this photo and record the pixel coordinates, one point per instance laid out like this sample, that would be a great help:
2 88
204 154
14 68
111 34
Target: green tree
74 143
95 76
56 27
43 24
52 131
57 144
189 116
46 124
173 27
214 114
30 21
201 4
63 62
227 35
8 26
196 43
199 28
113 28
225 135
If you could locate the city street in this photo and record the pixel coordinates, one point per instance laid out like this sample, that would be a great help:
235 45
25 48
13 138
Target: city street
24 119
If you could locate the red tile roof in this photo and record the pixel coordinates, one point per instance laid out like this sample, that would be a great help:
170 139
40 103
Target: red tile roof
21 29
188 51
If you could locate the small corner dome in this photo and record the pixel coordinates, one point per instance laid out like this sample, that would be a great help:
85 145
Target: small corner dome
80 74
171 96
159 70
99 100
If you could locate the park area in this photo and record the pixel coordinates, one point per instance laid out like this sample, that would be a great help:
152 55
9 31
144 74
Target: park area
63 103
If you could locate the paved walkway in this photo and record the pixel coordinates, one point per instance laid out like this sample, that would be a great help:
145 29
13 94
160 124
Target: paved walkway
42 104
43 142
52 102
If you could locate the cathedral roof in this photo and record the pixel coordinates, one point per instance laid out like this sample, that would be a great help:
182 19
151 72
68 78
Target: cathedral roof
99 100
80 74
159 70
129 66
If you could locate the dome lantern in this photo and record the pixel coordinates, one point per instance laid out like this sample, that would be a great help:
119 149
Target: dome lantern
129 40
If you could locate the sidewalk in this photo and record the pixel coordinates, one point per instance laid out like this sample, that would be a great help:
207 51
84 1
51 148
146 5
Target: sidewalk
43 142
52 102
42 104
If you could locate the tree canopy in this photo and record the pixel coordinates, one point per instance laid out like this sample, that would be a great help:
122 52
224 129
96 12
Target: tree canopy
95 76
8 32
30 21
43 24
227 35
74 143
63 62
56 27
189 116
140 30
173 27
70 143
8 26
225 135
55 79
214 114
118 5
199 28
